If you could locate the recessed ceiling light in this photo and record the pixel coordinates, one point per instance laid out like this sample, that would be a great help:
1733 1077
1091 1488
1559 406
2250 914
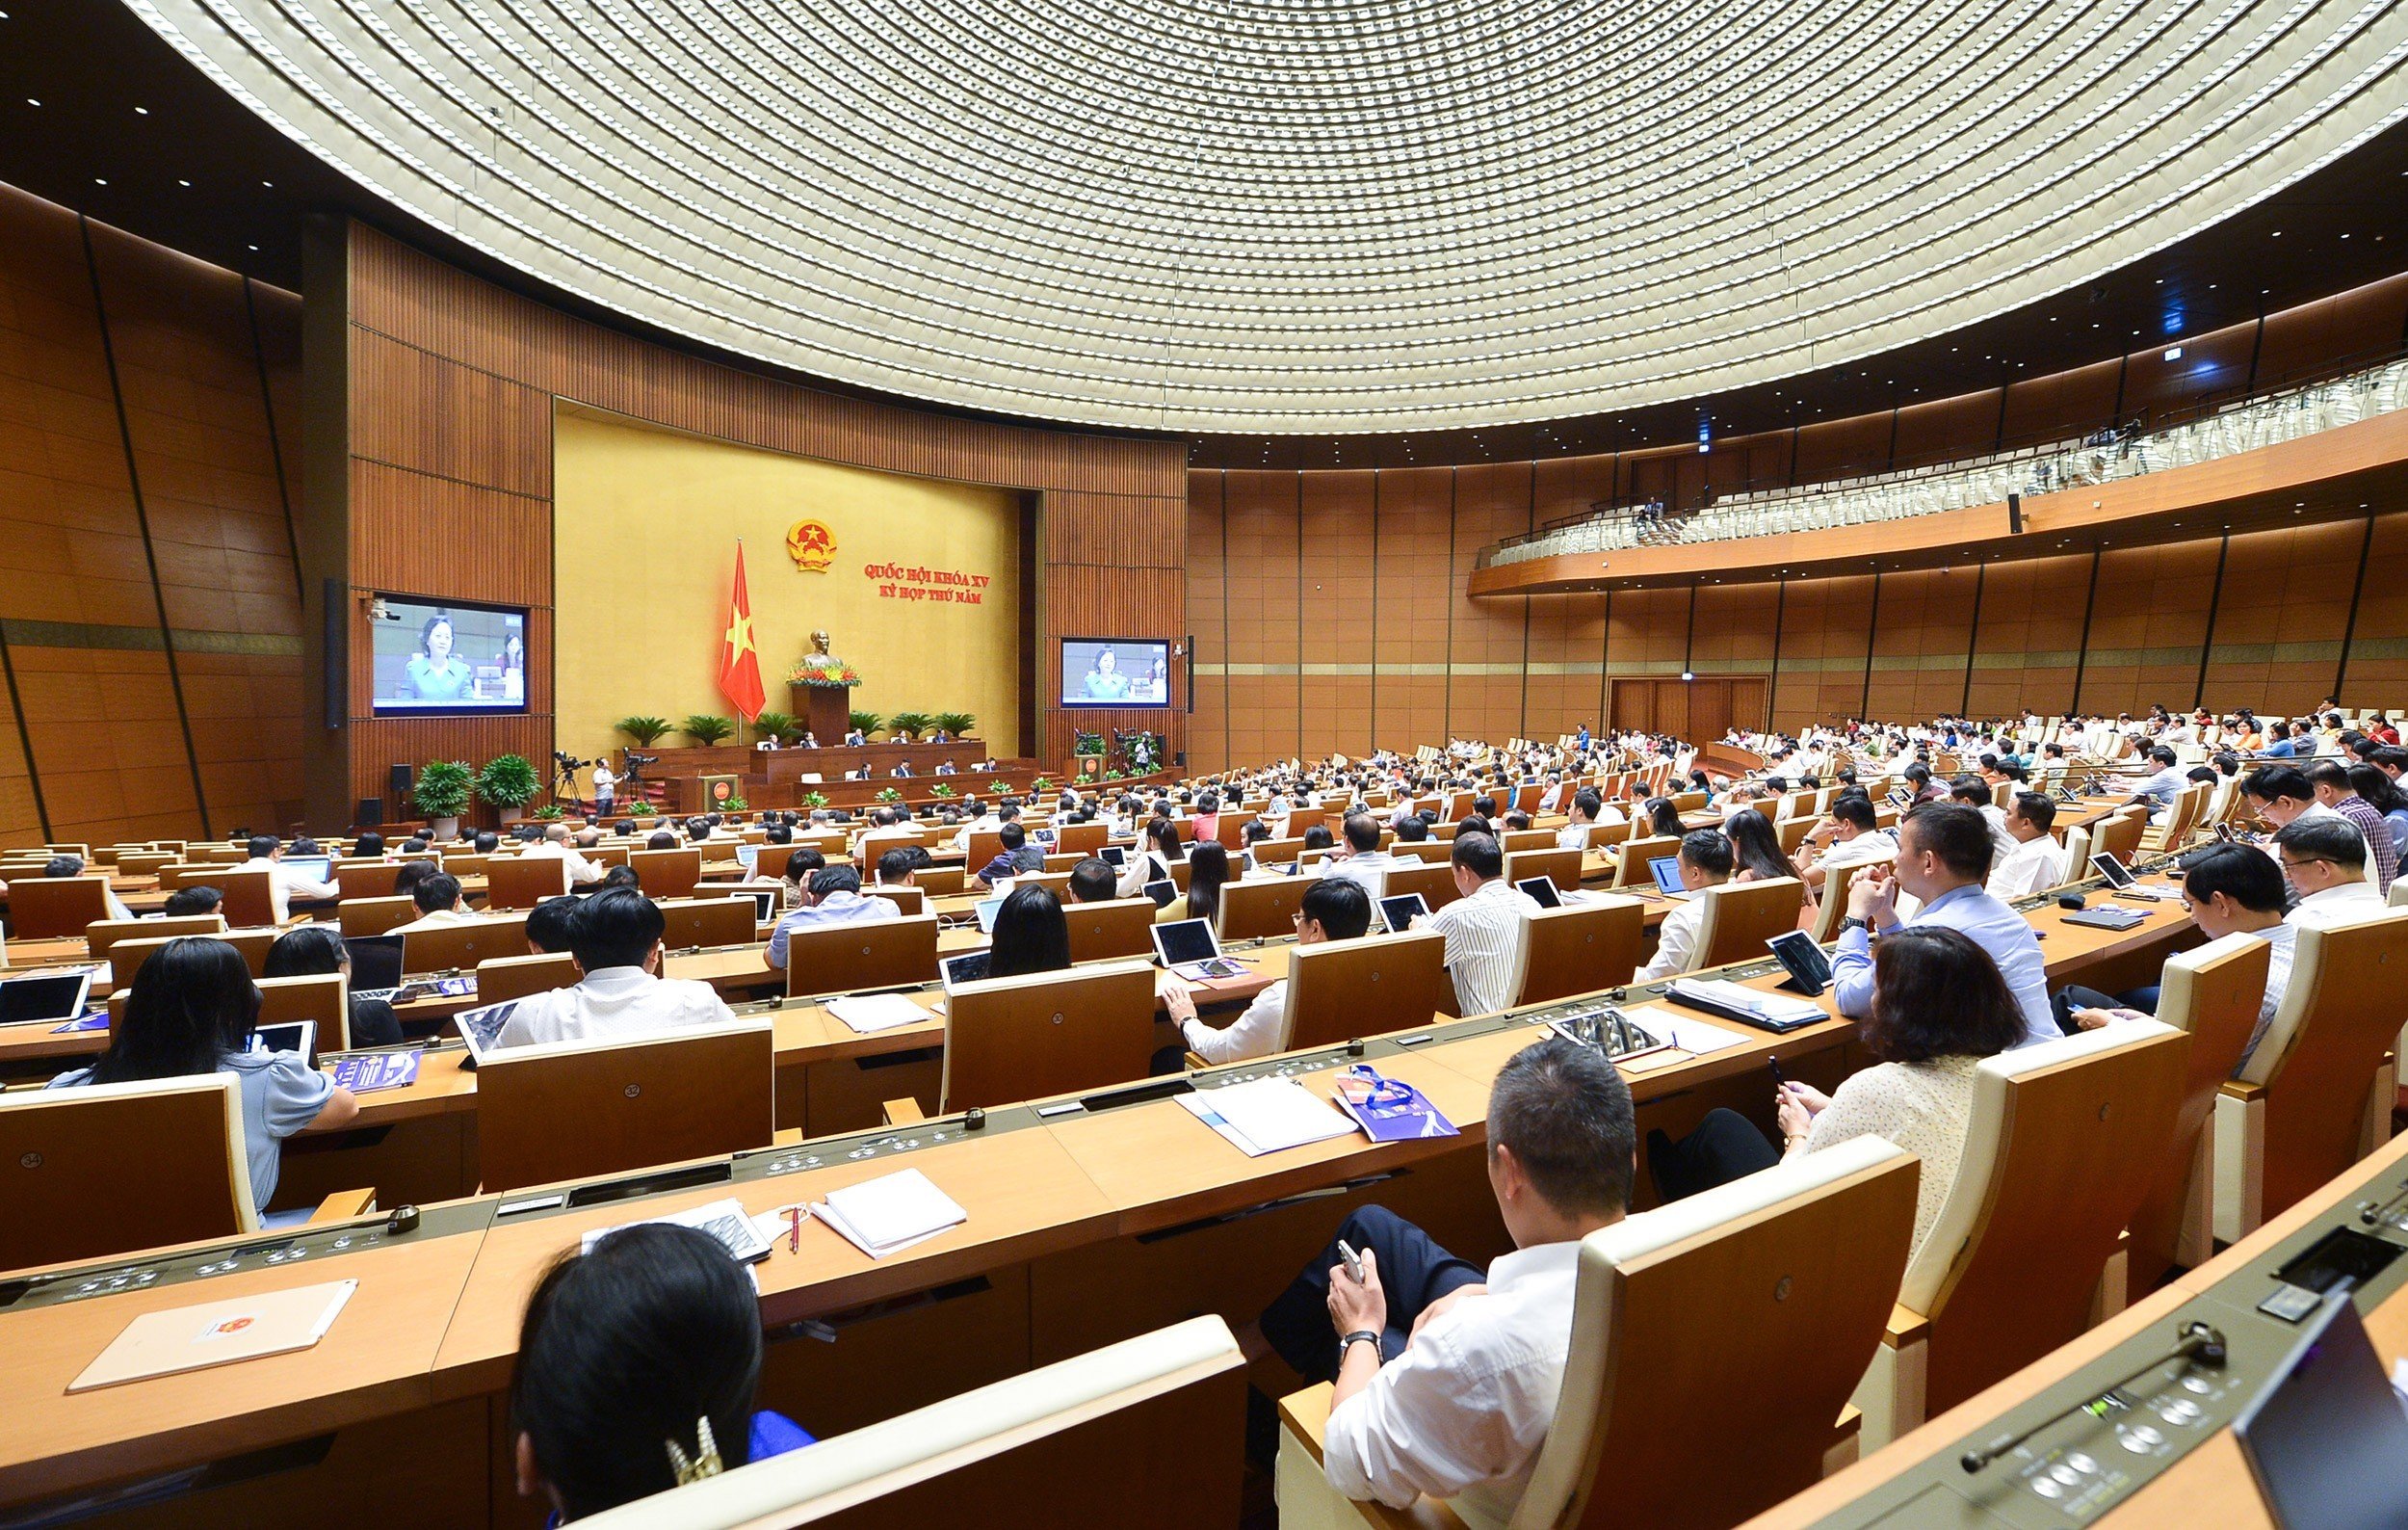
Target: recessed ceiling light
183 183
271 185
253 248
142 111
30 101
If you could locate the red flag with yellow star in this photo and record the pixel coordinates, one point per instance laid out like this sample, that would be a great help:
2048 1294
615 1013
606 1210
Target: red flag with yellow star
740 662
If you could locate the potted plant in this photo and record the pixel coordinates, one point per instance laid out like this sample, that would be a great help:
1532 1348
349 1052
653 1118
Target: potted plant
814 799
865 724
1085 780
890 794
646 731
507 782
547 812
736 804
941 790
1040 784
957 724
779 726
705 729
442 795
906 725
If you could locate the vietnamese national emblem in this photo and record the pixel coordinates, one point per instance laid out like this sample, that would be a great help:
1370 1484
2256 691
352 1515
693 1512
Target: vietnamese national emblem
811 545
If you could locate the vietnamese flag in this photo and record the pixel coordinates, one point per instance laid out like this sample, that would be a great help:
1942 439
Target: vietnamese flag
740 662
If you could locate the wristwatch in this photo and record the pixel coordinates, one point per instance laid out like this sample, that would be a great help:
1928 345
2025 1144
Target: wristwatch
1361 1335
1852 922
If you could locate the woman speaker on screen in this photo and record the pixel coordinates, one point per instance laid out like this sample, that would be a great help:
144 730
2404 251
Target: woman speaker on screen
435 674
1104 681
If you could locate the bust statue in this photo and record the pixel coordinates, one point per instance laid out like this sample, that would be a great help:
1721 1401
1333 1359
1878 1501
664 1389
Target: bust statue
818 642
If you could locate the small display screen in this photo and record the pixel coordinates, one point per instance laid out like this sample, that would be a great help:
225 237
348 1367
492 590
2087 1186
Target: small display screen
1116 672
447 656
1666 870
1541 890
1184 941
56 996
1398 913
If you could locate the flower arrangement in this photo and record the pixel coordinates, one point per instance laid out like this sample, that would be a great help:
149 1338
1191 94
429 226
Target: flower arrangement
823 670
548 812
814 799
941 789
1039 784
890 794
735 805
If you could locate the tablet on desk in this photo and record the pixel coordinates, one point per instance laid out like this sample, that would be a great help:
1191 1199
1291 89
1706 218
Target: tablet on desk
971 966
2326 1440
1163 892
1542 890
1808 966
1190 948
52 996
292 1036
1666 870
376 963
986 908
1114 856
482 1028
1398 913
2113 869
764 902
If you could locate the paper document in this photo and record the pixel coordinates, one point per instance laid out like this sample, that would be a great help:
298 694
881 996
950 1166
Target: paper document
724 1220
890 1213
1266 1115
1685 1032
1779 1006
867 1013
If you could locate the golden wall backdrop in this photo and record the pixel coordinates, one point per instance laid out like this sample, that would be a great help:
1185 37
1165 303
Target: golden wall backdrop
647 523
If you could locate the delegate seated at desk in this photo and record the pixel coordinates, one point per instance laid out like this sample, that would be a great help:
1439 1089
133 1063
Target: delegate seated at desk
832 896
1447 1380
1330 910
193 1010
615 938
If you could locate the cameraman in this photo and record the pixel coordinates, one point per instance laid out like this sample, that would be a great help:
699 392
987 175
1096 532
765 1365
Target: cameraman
605 789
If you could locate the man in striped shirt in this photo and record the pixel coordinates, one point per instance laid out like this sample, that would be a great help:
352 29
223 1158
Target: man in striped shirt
1482 927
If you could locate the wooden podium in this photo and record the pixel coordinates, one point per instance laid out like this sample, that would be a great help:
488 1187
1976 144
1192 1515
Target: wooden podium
826 710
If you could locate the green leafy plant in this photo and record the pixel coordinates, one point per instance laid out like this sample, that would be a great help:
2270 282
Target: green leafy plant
889 794
941 789
646 731
1087 745
442 789
814 799
1039 784
866 723
735 805
507 782
908 724
548 812
705 729
957 723
779 726
1114 774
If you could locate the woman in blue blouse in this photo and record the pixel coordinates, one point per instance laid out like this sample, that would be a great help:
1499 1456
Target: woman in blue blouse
637 1367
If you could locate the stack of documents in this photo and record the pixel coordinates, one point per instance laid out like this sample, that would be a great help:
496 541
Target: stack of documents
867 1013
1743 1002
890 1213
1266 1115
1685 1031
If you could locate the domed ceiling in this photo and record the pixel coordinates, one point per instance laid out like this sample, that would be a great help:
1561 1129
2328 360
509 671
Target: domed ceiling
1309 216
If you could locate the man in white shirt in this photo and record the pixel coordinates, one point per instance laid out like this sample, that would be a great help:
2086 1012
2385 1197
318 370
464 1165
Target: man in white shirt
2160 788
1707 860
2036 861
1333 909
439 903
284 884
2325 859
605 789
1483 926
1845 838
1446 1379
555 846
1588 809
1358 858
832 896
616 943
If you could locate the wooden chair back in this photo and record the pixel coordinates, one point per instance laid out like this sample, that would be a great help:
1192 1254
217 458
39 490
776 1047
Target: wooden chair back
109 1168
99 938
1831 905
321 996
1264 909
707 922
126 957
249 897
2118 835
1741 916
503 978
1082 839
1562 867
941 882
667 873
461 947
2340 1013
1629 868
1791 833
1435 883
983 847
1279 852
567 1110
1341 990
1047 1033
466 864
56 908
1229 825
366 916
1579 948
911 899
1012 1451
143 862
1515 840
2064 1140
1677 1315
366 879
863 954
521 881
1118 927
2213 993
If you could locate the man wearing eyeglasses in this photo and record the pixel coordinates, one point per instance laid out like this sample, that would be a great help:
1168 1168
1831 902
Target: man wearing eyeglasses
2325 859
1333 910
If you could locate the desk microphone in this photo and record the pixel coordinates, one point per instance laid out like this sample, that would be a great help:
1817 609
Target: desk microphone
2199 1342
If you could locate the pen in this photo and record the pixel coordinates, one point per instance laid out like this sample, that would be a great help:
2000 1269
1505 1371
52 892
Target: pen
1355 1262
793 1229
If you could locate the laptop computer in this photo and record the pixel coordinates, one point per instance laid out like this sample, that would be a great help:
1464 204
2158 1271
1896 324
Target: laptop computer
1192 949
1542 889
317 868
1398 913
375 964
52 996
748 857
291 1036
1666 870
2327 1440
